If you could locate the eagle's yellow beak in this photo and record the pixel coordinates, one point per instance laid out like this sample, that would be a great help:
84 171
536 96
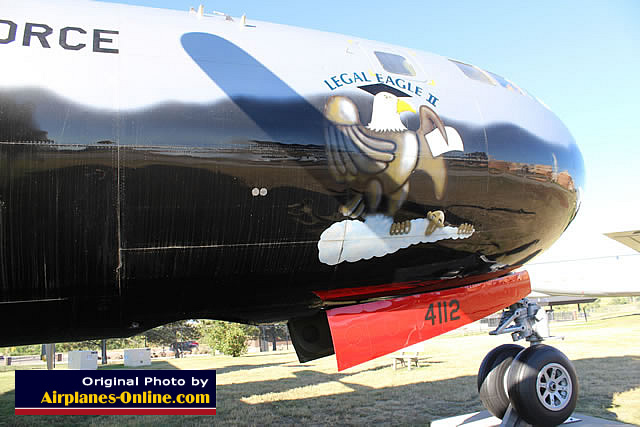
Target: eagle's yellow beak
403 106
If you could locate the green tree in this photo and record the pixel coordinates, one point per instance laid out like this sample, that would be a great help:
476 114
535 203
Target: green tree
77 345
226 337
21 350
182 330
112 344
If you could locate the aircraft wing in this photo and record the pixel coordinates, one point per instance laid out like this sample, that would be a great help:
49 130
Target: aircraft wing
610 276
627 238
549 300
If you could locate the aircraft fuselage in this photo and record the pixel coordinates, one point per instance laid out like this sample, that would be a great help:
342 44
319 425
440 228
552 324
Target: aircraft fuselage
157 165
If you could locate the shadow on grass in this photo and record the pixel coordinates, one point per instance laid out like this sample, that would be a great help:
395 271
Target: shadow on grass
619 316
287 400
268 353
164 365
599 378
233 368
157 364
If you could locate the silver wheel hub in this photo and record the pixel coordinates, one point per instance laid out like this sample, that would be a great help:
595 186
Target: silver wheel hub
554 387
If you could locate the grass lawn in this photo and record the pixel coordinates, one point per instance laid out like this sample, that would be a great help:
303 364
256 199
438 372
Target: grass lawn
274 388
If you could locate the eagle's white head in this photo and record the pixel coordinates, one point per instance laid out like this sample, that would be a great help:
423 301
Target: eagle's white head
386 113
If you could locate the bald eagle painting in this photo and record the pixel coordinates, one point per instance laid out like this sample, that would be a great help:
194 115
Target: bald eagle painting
375 161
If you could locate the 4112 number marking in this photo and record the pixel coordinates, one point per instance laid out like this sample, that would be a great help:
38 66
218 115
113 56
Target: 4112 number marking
445 314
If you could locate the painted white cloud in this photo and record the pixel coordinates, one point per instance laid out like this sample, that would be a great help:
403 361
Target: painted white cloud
354 240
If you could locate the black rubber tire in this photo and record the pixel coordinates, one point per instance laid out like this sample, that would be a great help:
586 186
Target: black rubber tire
491 378
522 383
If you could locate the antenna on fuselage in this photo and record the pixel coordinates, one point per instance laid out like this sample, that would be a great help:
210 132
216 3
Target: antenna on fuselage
199 13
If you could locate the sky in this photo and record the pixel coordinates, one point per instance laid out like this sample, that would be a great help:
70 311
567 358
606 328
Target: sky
581 57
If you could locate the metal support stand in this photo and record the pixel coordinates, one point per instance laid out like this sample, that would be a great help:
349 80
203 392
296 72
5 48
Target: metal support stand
512 419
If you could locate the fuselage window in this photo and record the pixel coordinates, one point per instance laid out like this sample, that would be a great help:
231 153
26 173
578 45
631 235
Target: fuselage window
396 64
507 84
473 72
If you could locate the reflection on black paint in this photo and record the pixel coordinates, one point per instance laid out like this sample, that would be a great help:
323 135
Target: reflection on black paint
17 122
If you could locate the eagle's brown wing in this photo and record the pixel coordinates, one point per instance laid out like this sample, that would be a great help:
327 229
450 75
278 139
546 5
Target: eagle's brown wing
435 167
351 151
429 120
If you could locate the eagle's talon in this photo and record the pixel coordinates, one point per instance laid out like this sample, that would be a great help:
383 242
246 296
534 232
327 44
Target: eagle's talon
398 228
465 229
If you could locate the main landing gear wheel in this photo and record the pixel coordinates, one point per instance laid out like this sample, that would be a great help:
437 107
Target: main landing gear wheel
492 378
543 385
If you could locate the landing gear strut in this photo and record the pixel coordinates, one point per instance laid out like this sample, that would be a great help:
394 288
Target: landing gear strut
537 385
